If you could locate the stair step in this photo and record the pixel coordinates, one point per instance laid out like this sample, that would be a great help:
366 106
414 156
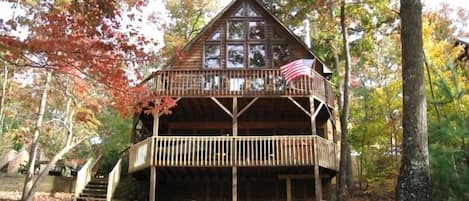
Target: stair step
92 195
91 199
95 190
98 182
94 186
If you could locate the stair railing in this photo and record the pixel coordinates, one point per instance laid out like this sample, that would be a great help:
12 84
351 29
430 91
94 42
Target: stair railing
84 175
113 180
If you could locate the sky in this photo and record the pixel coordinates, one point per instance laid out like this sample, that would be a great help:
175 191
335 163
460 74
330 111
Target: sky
156 6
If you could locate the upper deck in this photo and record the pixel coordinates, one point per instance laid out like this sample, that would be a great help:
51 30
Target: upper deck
239 83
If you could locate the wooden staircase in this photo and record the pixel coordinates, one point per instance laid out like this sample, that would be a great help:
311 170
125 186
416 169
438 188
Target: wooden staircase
95 190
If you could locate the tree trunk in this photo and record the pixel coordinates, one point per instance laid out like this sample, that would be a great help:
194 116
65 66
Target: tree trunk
414 182
345 161
4 93
49 166
28 183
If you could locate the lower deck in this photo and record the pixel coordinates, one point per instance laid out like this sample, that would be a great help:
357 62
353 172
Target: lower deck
218 184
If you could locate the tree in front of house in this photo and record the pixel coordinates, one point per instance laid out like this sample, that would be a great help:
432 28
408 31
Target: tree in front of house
414 182
79 43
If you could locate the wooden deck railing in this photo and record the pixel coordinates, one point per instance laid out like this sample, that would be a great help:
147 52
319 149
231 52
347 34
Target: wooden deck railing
229 83
226 151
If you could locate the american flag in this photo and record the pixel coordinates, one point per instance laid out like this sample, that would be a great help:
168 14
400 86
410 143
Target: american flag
297 68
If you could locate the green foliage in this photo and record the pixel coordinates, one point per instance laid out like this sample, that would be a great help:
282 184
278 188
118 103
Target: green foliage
449 153
115 135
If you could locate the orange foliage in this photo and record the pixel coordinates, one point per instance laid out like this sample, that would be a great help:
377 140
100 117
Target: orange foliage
84 41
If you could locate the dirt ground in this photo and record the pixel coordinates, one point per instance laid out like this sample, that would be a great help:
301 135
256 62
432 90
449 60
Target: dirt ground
16 196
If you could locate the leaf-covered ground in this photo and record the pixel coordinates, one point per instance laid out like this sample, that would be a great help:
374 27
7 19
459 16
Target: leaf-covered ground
14 196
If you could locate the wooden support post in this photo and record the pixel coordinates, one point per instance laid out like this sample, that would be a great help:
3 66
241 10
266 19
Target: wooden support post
289 196
235 116
317 178
156 125
152 183
313 117
234 184
234 191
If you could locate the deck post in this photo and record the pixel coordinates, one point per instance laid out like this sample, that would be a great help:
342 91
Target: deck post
313 117
288 180
234 170
156 125
234 184
317 177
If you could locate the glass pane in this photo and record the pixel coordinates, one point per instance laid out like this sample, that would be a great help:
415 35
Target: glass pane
235 58
212 56
281 54
235 30
236 84
256 56
256 30
257 84
216 35
239 12
211 82
252 12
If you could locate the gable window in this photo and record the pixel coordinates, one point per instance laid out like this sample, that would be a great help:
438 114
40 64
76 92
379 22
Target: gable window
280 54
212 56
256 30
235 30
252 12
257 56
235 54
216 36
239 12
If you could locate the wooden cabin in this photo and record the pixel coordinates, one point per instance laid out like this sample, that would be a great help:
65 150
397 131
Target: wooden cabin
239 130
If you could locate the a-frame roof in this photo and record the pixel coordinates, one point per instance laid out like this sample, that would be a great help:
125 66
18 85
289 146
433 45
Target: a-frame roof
270 14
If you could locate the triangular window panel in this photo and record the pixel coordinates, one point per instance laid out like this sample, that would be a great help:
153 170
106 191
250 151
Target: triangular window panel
216 35
239 12
252 12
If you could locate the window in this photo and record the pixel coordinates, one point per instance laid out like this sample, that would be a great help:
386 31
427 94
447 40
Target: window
257 84
252 12
216 36
211 82
239 12
235 56
257 56
236 84
212 56
235 30
280 55
256 30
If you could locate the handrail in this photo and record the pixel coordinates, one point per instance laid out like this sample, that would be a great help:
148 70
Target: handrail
113 180
83 177
238 82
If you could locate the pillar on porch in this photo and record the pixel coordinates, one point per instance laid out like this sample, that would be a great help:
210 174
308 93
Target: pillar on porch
156 125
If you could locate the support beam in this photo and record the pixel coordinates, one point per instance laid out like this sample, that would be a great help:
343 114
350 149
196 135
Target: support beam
235 116
299 106
156 125
317 178
221 106
234 184
247 107
152 183
317 110
313 117
289 196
